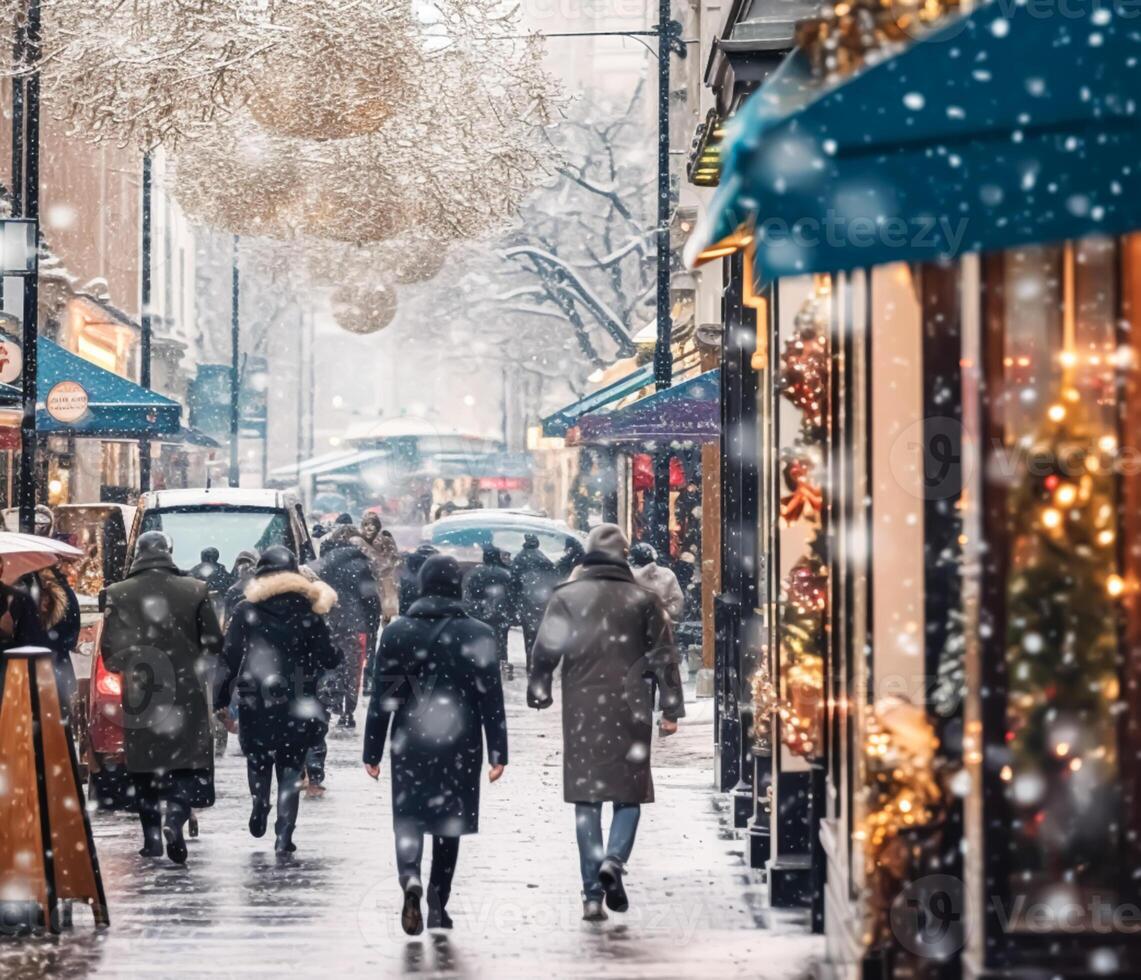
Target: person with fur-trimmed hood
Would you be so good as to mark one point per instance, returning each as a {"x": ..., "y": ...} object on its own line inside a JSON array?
[{"x": 277, "y": 646}]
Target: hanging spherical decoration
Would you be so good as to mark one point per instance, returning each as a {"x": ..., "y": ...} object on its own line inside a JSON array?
[
  {"x": 331, "y": 78},
  {"x": 239, "y": 179},
  {"x": 364, "y": 309}
]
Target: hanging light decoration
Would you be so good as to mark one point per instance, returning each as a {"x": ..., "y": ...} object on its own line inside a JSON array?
[
  {"x": 239, "y": 179},
  {"x": 330, "y": 77},
  {"x": 364, "y": 309}
]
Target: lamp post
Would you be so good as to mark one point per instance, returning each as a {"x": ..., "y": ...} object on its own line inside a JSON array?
[
  {"x": 235, "y": 369},
  {"x": 663, "y": 349},
  {"x": 147, "y": 322},
  {"x": 26, "y": 204}
]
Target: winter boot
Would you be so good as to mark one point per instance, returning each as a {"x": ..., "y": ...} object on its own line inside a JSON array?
[
  {"x": 284, "y": 842},
  {"x": 259, "y": 818},
  {"x": 592, "y": 910},
  {"x": 151, "y": 821},
  {"x": 175, "y": 844},
  {"x": 314, "y": 791},
  {"x": 411, "y": 920},
  {"x": 610, "y": 877},
  {"x": 438, "y": 917}
]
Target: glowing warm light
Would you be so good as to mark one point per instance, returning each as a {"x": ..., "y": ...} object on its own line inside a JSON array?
[
  {"x": 1056, "y": 413},
  {"x": 1065, "y": 495},
  {"x": 1068, "y": 358},
  {"x": 1107, "y": 444},
  {"x": 1051, "y": 518},
  {"x": 1105, "y": 538},
  {"x": 1115, "y": 585},
  {"x": 1062, "y": 749},
  {"x": 1006, "y": 774}
]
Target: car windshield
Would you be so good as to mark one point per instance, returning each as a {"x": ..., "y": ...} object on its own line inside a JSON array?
[
  {"x": 509, "y": 539},
  {"x": 230, "y": 530}
]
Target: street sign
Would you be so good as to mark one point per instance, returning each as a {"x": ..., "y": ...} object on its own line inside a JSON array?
[{"x": 67, "y": 402}]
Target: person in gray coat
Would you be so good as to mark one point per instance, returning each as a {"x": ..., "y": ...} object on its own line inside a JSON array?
[
  {"x": 162, "y": 635},
  {"x": 609, "y": 634}
]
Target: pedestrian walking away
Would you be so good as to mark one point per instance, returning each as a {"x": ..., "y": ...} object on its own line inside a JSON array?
[
  {"x": 533, "y": 576},
  {"x": 657, "y": 579},
  {"x": 487, "y": 597},
  {"x": 609, "y": 634},
  {"x": 354, "y": 621},
  {"x": 277, "y": 646},
  {"x": 162, "y": 634},
  {"x": 438, "y": 697},
  {"x": 408, "y": 577},
  {"x": 571, "y": 558}
]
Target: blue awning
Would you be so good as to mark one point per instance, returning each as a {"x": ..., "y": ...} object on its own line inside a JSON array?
[
  {"x": 1000, "y": 128},
  {"x": 88, "y": 400},
  {"x": 688, "y": 412},
  {"x": 558, "y": 424}
]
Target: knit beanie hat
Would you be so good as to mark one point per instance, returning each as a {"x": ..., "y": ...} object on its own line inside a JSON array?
[{"x": 609, "y": 540}]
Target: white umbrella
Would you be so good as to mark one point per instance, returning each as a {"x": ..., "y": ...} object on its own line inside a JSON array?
[{"x": 22, "y": 554}]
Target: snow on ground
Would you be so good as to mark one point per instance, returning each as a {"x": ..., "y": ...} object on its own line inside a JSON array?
[{"x": 333, "y": 910}]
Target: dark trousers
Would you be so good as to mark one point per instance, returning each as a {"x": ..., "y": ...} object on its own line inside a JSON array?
[
  {"x": 502, "y": 632},
  {"x": 410, "y": 853},
  {"x": 530, "y": 635},
  {"x": 151, "y": 817},
  {"x": 349, "y": 674},
  {"x": 315, "y": 762},
  {"x": 286, "y": 764}
]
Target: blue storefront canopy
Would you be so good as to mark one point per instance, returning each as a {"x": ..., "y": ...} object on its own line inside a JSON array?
[
  {"x": 1002, "y": 127},
  {"x": 91, "y": 401},
  {"x": 558, "y": 424},
  {"x": 688, "y": 412}
]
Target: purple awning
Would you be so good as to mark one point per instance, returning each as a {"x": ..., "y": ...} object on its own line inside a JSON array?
[{"x": 689, "y": 412}]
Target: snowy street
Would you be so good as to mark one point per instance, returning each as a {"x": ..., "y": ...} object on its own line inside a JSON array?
[{"x": 333, "y": 910}]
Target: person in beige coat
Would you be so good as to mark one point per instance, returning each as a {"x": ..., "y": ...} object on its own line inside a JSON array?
[{"x": 658, "y": 579}]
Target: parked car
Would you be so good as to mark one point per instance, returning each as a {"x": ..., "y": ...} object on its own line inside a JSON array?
[
  {"x": 230, "y": 520},
  {"x": 463, "y": 535}
]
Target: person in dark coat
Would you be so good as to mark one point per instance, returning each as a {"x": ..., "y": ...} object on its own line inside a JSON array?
[
  {"x": 277, "y": 645},
  {"x": 210, "y": 570},
  {"x": 487, "y": 597},
  {"x": 244, "y": 565},
  {"x": 437, "y": 684},
  {"x": 571, "y": 558},
  {"x": 609, "y": 634},
  {"x": 533, "y": 576},
  {"x": 162, "y": 635},
  {"x": 59, "y": 615},
  {"x": 354, "y": 621},
  {"x": 408, "y": 577}
]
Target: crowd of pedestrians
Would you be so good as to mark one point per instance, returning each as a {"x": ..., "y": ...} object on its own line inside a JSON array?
[{"x": 276, "y": 650}]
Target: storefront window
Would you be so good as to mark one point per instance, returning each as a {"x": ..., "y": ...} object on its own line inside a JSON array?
[{"x": 1053, "y": 475}]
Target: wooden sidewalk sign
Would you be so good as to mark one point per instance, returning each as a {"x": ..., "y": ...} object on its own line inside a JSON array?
[{"x": 47, "y": 854}]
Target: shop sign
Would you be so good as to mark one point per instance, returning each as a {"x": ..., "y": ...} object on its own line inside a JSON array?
[
  {"x": 67, "y": 402},
  {"x": 11, "y": 360}
]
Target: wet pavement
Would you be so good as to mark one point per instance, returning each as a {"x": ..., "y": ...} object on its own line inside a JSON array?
[{"x": 333, "y": 909}]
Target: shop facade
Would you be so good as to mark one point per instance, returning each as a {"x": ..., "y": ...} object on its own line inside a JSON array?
[{"x": 943, "y": 659}]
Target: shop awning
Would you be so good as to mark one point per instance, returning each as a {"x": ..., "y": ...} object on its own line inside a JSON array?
[
  {"x": 558, "y": 424},
  {"x": 1000, "y": 128},
  {"x": 687, "y": 412},
  {"x": 348, "y": 461},
  {"x": 79, "y": 397}
]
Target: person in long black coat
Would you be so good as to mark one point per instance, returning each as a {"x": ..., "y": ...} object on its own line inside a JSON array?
[
  {"x": 487, "y": 597},
  {"x": 277, "y": 645},
  {"x": 533, "y": 578},
  {"x": 437, "y": 686},
  {"x": 162, "y": 635}
]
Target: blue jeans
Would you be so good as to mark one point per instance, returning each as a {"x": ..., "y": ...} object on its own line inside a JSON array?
[{"x": 591, "y": 853}]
